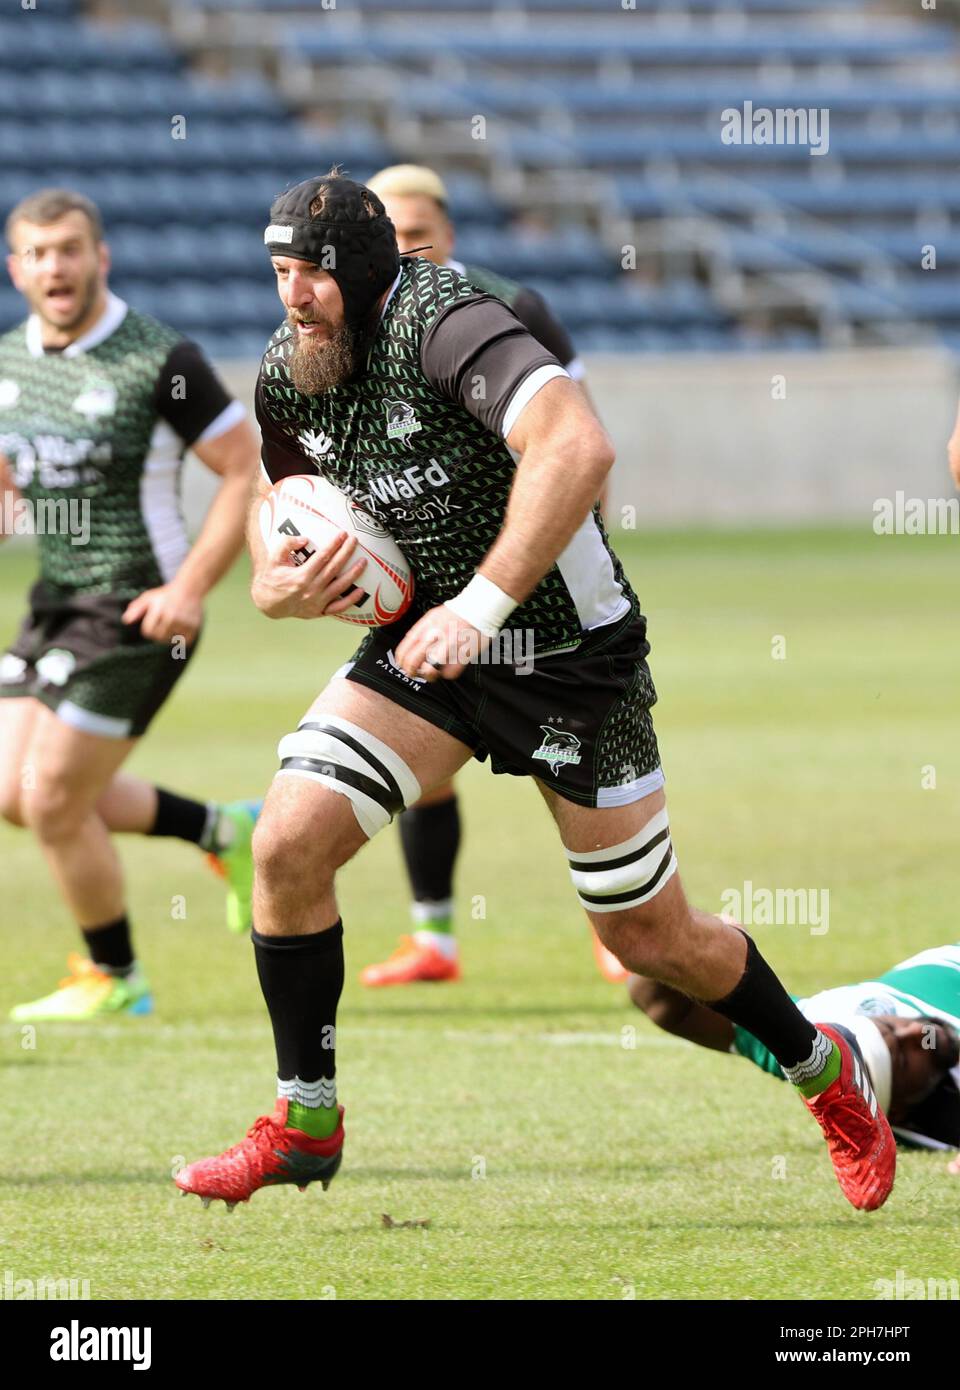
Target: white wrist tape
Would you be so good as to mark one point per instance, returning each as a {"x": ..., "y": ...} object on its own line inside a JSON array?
[{"x": 482, "y": 605}]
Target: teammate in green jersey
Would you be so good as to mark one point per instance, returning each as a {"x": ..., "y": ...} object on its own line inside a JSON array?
[
  {"x": 98, "y": 405},
  {"x": 417, "y": 204},
  {"x": 906, "y": 1022}
]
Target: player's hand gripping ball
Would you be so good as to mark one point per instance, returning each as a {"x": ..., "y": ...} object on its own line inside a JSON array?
[{"x": 311, "y": 507}]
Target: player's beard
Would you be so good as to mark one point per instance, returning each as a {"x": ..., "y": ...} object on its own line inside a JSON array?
[{"x": 317, "y": 367}]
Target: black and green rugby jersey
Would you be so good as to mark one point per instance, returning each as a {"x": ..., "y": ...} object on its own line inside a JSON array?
[
  {"x": 418, "y": 440},
  {"x": 103, "y": 425},
  {"x": 530, "y": 308}
]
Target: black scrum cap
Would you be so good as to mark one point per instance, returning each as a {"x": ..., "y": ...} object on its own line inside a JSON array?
[{"x": 358, "y": 250}]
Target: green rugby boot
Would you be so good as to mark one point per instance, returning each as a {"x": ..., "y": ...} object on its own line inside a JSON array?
[
  {"x": 87, "y": 992},
  {"x": 234, "y": 861}
]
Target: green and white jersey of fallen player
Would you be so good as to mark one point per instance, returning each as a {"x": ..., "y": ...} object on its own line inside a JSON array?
[{"x": 925, "y": 985}]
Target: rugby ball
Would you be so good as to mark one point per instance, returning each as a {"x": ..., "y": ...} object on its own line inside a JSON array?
[{"x": 308, "y": 506}]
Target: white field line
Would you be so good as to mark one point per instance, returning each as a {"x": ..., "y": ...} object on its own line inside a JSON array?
[{"x": 228, "y": 1032}]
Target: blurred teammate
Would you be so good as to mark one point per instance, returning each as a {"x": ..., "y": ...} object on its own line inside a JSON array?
[
  {"x": 415, "y": 199},
  {"x": 905, "y": 1023},
  {"x": 98, "y": 405},
  {"x": 492, "y": 542}
]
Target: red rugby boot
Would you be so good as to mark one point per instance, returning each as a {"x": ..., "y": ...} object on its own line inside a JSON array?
[
  {"x": 860, "y": 1141},
  {"x": 271, "y": 1154}
]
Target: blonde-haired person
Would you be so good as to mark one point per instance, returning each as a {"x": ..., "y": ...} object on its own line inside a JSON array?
[{"x": 416, "y": 201}]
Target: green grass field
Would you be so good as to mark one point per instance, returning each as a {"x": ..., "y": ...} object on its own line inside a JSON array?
[{"x": 550, "y": 1160}]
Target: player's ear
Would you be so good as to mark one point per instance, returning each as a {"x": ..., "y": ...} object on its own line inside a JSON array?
[
  {"x": 13, "y": 270},
  {"x": 104, "y": 257}
]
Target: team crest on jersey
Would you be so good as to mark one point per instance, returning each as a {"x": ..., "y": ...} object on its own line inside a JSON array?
[
  {"x": 9, "y": 394},
  {"x": 316, "y": 443},
  {"x": 401, "y": 421},
  {"x": 99, "y": 399},
  {"x": 557, "y": 748}
]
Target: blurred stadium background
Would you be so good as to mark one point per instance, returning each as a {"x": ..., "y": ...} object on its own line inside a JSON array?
[{"x": 581, "y": 142}]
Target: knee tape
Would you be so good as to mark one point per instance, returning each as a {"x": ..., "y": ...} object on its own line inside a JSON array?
[
  {"x": 625, "y": 875},
  {"x": 353, "y": 763}
]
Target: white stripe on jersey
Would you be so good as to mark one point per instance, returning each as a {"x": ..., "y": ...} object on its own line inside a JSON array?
[
  {"x": 229, "y": 416},
  {"x": 586, "y": 568},
  {"x": 160, "y": 500},
  {"x": 525, "y": 393}
]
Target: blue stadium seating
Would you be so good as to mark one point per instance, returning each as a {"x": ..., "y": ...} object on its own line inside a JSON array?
[{"x": 570, "y": 86}]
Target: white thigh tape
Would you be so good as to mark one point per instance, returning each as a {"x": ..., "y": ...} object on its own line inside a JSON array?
[
  {"x": 354, "y": 763},
  {"x": 626, "y": 875}
]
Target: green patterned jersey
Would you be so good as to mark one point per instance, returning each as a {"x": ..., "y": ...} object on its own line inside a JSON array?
[
  {"x": 418, "y": 438},
  {"x": 95, "y": 435}
]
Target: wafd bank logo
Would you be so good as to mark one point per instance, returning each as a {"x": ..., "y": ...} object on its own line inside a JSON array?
[{"x": 557, "y": 748}]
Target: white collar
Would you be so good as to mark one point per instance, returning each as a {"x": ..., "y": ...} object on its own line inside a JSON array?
[
  {"x": 458, "y": 266},
  {"x": 108, "y": 322}
]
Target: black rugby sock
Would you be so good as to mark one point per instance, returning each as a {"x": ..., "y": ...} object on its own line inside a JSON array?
[
  {"x": 182, "y": 817},
  {"x": 302, "y": 980},
  {"x": 110, "y": 946},
  {"x": 430, "y": 836},
  {"x": 760, "y": 1004}
]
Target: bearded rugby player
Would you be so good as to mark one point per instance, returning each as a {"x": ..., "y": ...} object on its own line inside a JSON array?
[
  {"x": 416, "y": 201},
  {"x": 98, "y": 404},
  {"x": 518, "y": 542}
]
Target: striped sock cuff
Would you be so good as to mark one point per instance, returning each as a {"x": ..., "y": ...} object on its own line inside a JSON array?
[
  {"x": 813, "y": 1065},
  {"x": 312, "y": 1094}
]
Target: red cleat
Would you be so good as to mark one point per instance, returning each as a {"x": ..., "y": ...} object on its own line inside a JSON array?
[
  {"x": 410, "y": 962},
  {"x": 607, "y": 963},
  {"x": 271, "y": 1154},
  {"x": 859, "y": 1139}
]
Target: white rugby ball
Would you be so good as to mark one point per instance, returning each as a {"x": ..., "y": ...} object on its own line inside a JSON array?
[{"x": 309, "y": 506}]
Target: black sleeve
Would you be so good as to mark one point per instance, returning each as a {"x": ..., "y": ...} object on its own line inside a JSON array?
[
  {"x": 537, "y": 318},
  {"x": 189, "y": 395},
  {"x": 477, "y": 352},
  {"x": 279, "y": 453}
]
